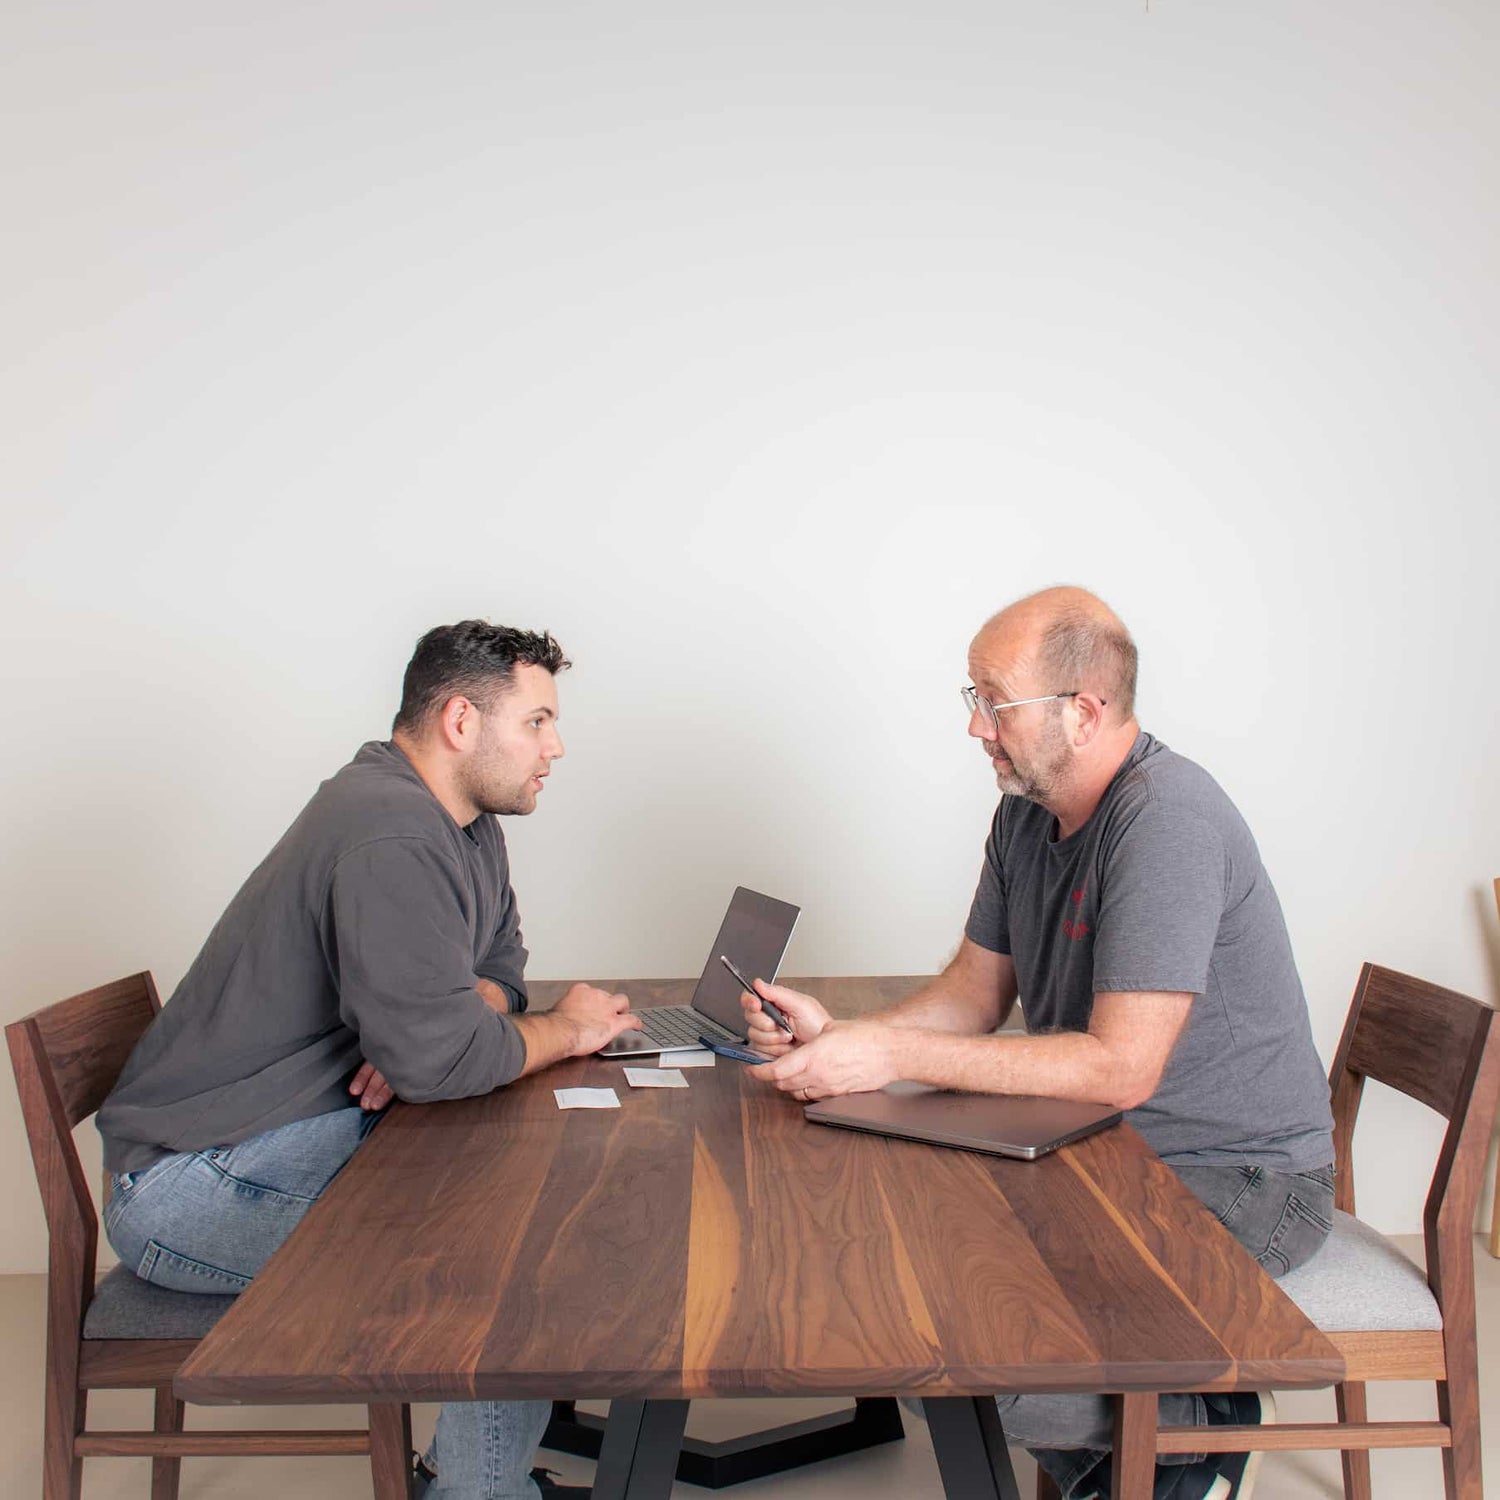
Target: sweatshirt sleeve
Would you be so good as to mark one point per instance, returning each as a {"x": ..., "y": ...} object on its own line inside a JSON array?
[
  {"x": 505, "y": 960},
  {"x": 397, "y": 934}
]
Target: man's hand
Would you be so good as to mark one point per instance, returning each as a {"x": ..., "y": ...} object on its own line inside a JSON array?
[
  {"x": 847, "y": 1057},
  {"x": 806, "y": 1014},
  {"x": 370, "y": 1088},
  {"x": 597, "y": 1016}
]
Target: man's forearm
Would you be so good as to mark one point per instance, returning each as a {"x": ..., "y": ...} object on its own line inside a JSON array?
[
  {"x": 972, "y": 995},
  {"x": 1063, "y": 1065},
  {"x": 547, "y": 1037},
  {"x": 938, "y": 1007}
]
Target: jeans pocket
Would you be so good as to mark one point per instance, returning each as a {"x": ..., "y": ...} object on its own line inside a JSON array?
[
  {"x": 164, "y": 1267},
  {"x": 1298, "y": 1236}
]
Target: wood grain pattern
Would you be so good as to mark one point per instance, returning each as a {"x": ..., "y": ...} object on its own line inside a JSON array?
[
  {"x": 301, "y": 1443},
  {"x": 1295, "y": 1436},
  {"x": 709, "y": 1242},
  {"x": 1391, "y": 1355}
]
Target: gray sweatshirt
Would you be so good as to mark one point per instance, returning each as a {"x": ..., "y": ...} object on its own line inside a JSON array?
[{"x": 359, "y": 937}]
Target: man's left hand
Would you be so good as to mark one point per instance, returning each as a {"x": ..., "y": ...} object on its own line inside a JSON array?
[
  {"x": 370, "y": 1088},
  {"x": 849, "y": 1057}
]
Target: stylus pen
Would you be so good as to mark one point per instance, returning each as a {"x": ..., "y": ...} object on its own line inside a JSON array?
[{"x": 765, "y": 1004}]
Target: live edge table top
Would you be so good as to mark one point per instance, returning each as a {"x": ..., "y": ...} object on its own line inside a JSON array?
[{"x": 708, "y": 1241}]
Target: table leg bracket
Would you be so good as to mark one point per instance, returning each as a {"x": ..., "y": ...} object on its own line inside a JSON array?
[{"x": 717, "y": 1465}]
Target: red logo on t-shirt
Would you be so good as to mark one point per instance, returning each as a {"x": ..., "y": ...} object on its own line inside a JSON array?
[{"x": 1071, "y": 927}]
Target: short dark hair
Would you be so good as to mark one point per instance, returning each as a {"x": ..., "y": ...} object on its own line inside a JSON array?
[
  {"x": 472, "y": 659},
  {"x": 1081, "y": 651}
]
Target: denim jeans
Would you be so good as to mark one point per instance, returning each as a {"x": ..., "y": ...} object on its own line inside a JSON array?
[
  {"x": 1281, "y": 1218},
  {"x": 207, "y": 1221}
]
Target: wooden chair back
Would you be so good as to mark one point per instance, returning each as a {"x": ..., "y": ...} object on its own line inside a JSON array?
[
  {"x": 66, "y": 1059},
  {"x": 1438, "y": 1047}
]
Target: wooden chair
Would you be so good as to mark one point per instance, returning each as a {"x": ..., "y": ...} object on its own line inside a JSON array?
[
  {"x": 1388, "y": 1319},
  {"x": 124, "y": 1332}
]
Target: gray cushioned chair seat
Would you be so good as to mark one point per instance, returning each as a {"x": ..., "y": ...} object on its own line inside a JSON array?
[
  {"x": 1359, "y": 1281},
  {"x": 125, "y": 1307}
]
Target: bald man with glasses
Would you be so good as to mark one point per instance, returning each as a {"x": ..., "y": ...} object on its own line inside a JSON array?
[{"x": 1123, "y": 901}]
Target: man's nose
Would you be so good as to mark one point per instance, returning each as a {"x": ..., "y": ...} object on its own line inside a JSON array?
[
  {"x": 981, "y": 726},
  {"x": 554, "y": 749}
]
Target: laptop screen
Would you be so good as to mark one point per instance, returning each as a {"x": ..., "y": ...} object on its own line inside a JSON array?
[{"x": 753, "y": 937}]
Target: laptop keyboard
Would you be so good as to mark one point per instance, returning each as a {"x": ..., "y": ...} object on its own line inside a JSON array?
[{"x": 680, "y": 1026}]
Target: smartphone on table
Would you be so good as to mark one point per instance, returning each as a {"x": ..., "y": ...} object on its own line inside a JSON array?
[{"x": 739, "y": 1054}]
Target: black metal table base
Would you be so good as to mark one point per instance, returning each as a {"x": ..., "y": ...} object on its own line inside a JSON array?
[
  {"x": 970, "y": 1446},
  {"x": 715, "y": 1466},
  {"x": 636, "y": 1457}
]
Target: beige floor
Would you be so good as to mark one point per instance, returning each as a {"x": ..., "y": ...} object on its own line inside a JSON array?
[{"x": 904, "y": 1470}]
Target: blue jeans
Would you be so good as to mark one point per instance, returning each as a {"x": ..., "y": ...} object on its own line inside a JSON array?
[
  {"x": 207, "y": 1221},
  {"x": 1282, "y": 1219}
]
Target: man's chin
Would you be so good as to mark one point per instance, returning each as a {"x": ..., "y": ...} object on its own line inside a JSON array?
[
  {"x": 518, "y": 807},
  {"x": 1012, "y": 785}
]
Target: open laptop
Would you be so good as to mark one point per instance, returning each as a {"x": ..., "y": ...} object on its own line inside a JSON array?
[
  {"x": 753, "y": 936},
  {"x": 1022, "y": 1126}
]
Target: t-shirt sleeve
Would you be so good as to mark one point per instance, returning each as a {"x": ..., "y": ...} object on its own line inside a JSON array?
[
  {"x": 505, "y": 960},
  {"x": 398, "y": 942},
  {"x": 989, "y": 919},
  {"x": 1162, "y": 893}
]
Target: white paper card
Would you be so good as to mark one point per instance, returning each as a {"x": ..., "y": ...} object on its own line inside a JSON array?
[
  {"x": 586, "y": 1098},
  {"x": 655, "y": 1078},
  {"x": 699, "y": 1057}
]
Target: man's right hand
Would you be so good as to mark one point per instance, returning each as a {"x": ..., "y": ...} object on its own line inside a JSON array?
[
  {"x": 597, "y": 1016},
  {"x": 806, "y": 1014}
]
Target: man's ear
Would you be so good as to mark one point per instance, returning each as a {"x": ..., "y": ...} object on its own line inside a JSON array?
[
  {"x": 458, "y": 724},
  {"x": 1089, "y": 709}
]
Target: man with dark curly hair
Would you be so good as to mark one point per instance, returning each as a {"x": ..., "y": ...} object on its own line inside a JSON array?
[{"x": 375, "y": 952}]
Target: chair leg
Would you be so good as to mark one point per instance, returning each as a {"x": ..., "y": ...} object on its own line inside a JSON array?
[
  {"x": 1458, "y": 1406},
  {"x": 1350, "y": 1399},
  {"x": 62, "y": 1469},
  {"x": 165, "y": 1472},
  {"x": 1134, "y": 1451},
  {"x": 1045, "y": 1488},
  {"x": 390, "y": 1450}
]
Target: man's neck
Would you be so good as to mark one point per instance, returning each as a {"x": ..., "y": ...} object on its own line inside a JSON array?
[
  {"x": 431, "y": 767},
  {"x": 1074, "y": 805}
]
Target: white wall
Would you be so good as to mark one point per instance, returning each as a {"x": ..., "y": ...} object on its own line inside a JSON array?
[{"x": 758, "y": 356}]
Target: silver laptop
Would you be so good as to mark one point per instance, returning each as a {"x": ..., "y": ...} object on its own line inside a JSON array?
[
  {"x": 1017, "y": 1125},
  {"x": 753, "y": 936}
]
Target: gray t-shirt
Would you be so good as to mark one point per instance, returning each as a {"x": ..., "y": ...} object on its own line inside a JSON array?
[
  {"x": 1163, "y": 889},
  {"x": 359, "y": 937}
]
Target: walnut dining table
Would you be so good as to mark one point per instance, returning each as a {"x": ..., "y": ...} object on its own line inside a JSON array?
[{"x": 709, "y": 1242}]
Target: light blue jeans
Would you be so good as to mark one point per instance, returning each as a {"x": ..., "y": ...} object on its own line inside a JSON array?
[{"x": 207, "y": 1221}]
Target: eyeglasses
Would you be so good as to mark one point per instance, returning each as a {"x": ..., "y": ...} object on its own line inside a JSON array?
[{"x": 974, "y": 701}]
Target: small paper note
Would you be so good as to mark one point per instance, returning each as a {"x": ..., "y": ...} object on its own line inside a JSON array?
[
  {"x": 655, "y": 1078},
  {"x": 699, "y": 1057},
  {"x": 586, "y": 1098}
]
